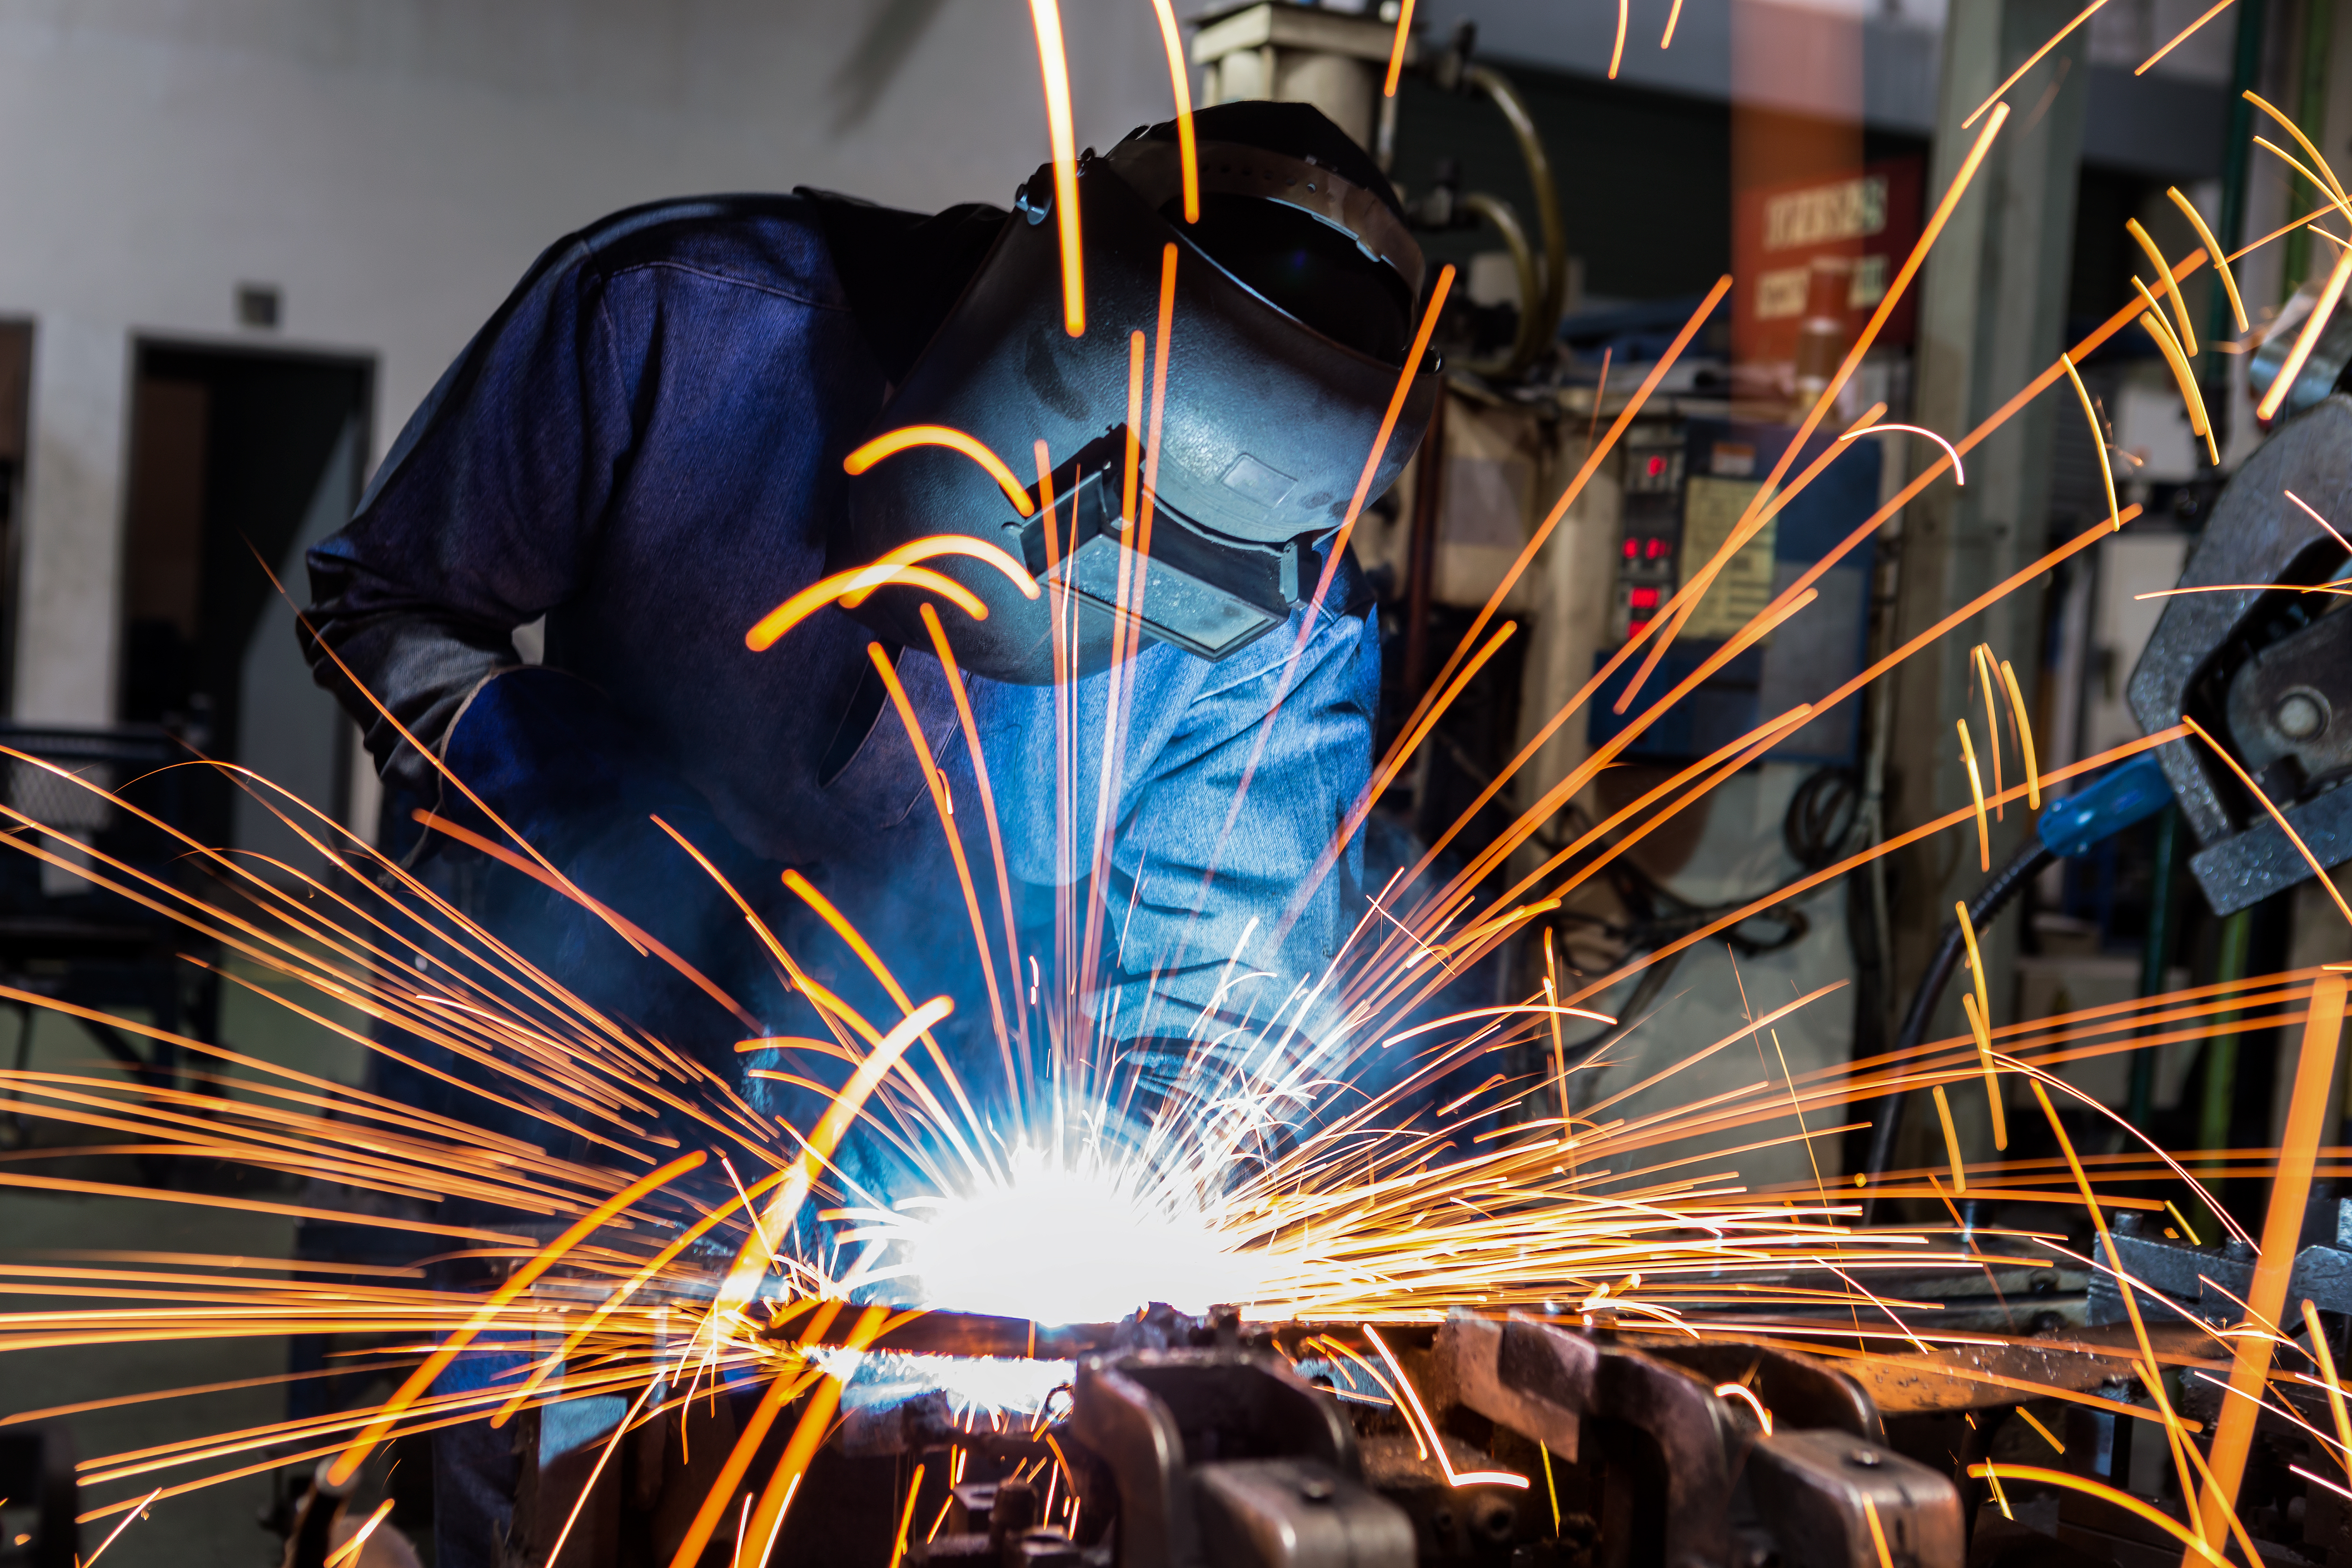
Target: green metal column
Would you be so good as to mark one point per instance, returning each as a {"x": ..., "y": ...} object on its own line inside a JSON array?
[
  {"x": 2310, "y": 113},
  {"x": 2163, "y": 921},
  {"x": 2222, "y": 1049}
]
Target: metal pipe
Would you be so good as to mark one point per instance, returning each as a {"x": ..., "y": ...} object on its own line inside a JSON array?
[
  {"x": 1506, "y": 98},
  {"x": 1527, "y": 265}
]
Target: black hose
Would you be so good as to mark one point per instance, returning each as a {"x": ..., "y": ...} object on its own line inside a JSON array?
[{"x": 1990, "y": 899}]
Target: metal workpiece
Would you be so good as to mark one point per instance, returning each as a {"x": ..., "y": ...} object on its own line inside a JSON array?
[
  {"x": 1682, "y": 1518},
  {"x": 2259, "y": 665},
  {"x": 1512, "y": 1441},
  {"x": 1167, "y": 1427},
  {"x": 1521, "y": 1373},
  {"x": 2211, "y": 1282},
  {"x": 1297, "y": 1511},
  {"x": 1802, "y": 1391},
  {"x": 1810, "y": 1488}
]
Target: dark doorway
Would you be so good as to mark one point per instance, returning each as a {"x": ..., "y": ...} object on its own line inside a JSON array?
[
  {"x": 239, "y": 459},
  {"x": 15, "y": 425}
]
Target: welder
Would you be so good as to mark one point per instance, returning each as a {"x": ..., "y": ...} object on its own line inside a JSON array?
[{"x": 645, "y": 446}]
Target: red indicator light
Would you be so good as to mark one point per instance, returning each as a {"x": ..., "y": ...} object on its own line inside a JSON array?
[
  {"x": 1633, "y": 628},
  {"x": 1657, "y": 466},
  {"x": 1644, "y": 599},
  {"x": 1654, "y": 549},
  {"x": 1629, "y": 550}
]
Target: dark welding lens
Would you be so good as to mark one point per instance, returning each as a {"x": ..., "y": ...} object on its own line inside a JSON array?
[{"x": 1305, "y": 269}]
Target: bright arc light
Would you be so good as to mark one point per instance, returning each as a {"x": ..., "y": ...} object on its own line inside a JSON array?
[
  {"x": 986, "y": 1383},
  {"x": 1064, "y": 1244}
]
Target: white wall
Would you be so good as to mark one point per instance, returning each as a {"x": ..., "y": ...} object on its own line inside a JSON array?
[{"x": 393, "y": 165}]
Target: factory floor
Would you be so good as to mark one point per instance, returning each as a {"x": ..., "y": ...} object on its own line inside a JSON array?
[{"x": 215, "y": 1527}]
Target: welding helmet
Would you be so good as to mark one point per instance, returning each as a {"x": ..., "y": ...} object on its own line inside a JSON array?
[{"x": 1295, "y": 303}]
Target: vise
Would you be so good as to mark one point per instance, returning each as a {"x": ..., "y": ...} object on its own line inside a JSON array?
[{"x": 2263, "y": 662}]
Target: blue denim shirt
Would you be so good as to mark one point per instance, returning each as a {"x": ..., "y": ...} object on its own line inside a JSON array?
[{"x": 644, "y": 446}]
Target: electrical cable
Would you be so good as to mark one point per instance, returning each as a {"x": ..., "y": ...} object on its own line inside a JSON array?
[{"x": 1991, "y": 899}]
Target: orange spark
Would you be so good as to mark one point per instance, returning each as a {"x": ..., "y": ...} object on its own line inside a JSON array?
[
  {"x": 1691, "y": 592},
  {"x": 891, "y": 443},
  {"x": 1870, "y": 1517},
  {"x": 349, "y": 1550},
  {"x": 2156, "y": 1396},
  {"x": 1747, "y": 1395},
  {"x": 2291, "y": 368},
  {"x": 2178, "y": 39},
  {"x": 1960, "y": 474},
  {"x": 1976, "y": 791},
  {"x": 2314, "y": 517},
  {"x": 915, "y": 1487},
  {"x": 1979, "y": 1025},
  {"x": 815, "y": 1425},
  {"x": 938, "y": 783},
  {"x": 1952, "y": 1140},
  {"x": 2047, "y": 1435},
  {"x": 858, "y": 580},
  {"x": 2164, "y": 280},
  {"x": 932, "y": 546},
  {"x": 2192, "y": 400},
  {"x": 1420, "y": 1417},
  {"x": 1054, "y": 69},
  {"x": 2326, "y": 1359},
  {"x": 780, "y": 1392},
  {"x": 389, "y": 1413},
  {"x": 2098, "y": 436},
  {"x": 127, "y": 1519},
  {"x": 2155, "y": 1516},
  {"x": 1179, "y": 78},
  {"x": 946, "y": 653},
  {"x": 2212, "y": 247},
  {"x": 743, "y": 1275},
  {"x": 2032, "y": 60},
  {"x": 2326, "y": 179},
  {"x": 1982, "y": 662},
  {"x": 530, "y": 868},
  {"x": 2023, "y": 726},
  {"x": 2292, "y": 837},
  {"x": 2307, "y": 1110},
  {"x": 1396, "y": 49}
]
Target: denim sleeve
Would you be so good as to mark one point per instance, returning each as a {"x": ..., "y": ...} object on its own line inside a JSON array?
[
  {"x": 1204, "y": 872},
  {"x": 478, "y": 520}
]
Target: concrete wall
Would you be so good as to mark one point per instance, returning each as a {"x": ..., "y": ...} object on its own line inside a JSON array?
[{"x": 393, "y": 165}]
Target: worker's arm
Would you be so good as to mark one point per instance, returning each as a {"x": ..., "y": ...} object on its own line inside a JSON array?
[
  {"x": 476, "y": 523},
  {"x": 484, "y": 516}
]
